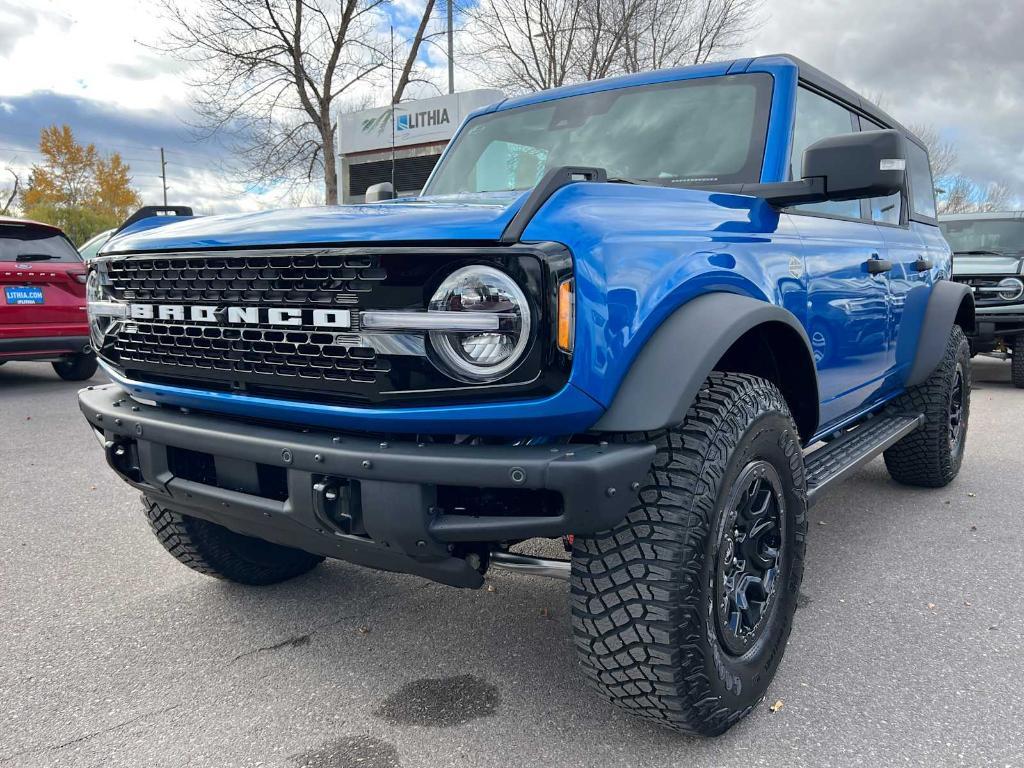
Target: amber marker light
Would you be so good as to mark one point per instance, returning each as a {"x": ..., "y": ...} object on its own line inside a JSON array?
[{"x": 566, "y": 316}]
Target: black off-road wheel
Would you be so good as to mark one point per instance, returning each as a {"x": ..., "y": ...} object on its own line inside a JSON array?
[
  {"x": 215, "y": 551},
  {"x": 76, "y": 367},
  {"x": 681, "y": 613},
  {"x": 931, "y": 456},
  {"x": 1017, "y": 362}
]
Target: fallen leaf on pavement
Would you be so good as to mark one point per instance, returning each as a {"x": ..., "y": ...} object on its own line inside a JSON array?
[{"x": 776, "y": 706}]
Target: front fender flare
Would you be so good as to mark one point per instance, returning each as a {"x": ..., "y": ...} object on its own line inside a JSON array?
[{"x": 664, "y": 379}]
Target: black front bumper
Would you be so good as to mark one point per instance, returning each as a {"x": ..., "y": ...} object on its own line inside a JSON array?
[
  {"x": 357, "y": 498},
  {"x": 991, "y": 328}
]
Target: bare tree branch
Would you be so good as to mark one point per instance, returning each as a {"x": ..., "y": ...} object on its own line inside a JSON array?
[
  {"x": 414, "y": 52},
  {"x": 523, "y": 45},
  {"x": 6, "y": 210},
  {"x": 268, "y": 75}
]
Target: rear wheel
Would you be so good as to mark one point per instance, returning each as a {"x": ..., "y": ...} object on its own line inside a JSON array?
[
  {"x": 1017, "y": 362},
  {"x": 215, "y": 551},
  {"x": 76, "y": 367},
  {"x": 931, "y": 456},
  {"x": 682, "y": 612}
]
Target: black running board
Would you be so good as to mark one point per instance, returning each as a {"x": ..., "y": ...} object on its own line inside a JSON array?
[{"x": 837, "y": 460}]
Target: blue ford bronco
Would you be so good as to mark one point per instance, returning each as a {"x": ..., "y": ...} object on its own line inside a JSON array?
[{"x": 656, "y": 317}]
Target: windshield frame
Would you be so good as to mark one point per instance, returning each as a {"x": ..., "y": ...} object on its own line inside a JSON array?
[{"x": 751, "y": 172}]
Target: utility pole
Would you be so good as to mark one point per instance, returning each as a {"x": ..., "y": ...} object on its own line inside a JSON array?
[
  {"x": 451, "y": 50},
  {"x": 163, "y": 174},
  {"x": 393, "y": 105}
]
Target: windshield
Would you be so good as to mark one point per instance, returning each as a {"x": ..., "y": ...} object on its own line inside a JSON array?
[
  {"x": 92, "y": 247},
  {"x": 26, "y": 242},
  {"x": 707, "y": 131},
  {"x": 999, "y": 235}
]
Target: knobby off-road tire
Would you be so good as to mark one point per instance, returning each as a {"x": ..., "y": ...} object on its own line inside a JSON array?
[
  {"x": 215, "y": 551},
  {"x": 650, "y": 623},
  {"x": 931, "y": 456},
  {"x": 1017, "y": 362},
  {"x": 76, "y": 367}
]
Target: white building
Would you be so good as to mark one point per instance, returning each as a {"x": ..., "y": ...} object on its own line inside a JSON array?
[{"x": 413, "y": 134}]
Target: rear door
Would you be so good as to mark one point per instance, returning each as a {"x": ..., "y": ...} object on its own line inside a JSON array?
[
  {"x": 847, "y": 303},
  {"x": 42, "y": 290},
  {"x": 911, "y": 276}
]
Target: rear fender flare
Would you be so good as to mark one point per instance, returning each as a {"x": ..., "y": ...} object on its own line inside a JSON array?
[{"x": 949, "y": 304}]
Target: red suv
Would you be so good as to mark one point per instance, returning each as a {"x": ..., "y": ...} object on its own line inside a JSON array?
[{"x": 42, "y": 299}]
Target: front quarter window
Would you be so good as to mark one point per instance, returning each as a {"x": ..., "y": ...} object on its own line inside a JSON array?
[{"x": 685, "y": 132}]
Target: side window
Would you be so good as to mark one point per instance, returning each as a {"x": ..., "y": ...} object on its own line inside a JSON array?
[
  {"x": 922, "y": 188},
  {"x": 818, "y": 118},
  {"x": 887, "y": 210},
  {"x": 884, "y": 210}
]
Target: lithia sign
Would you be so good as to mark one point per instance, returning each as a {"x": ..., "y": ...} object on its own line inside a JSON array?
[{"x": 415, "y": 122}]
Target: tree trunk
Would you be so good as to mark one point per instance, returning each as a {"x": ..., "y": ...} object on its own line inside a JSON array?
[{"x": 330, "y": 165}]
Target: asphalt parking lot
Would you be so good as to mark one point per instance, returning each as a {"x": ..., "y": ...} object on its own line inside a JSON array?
[{"x": 907, "y": 648}]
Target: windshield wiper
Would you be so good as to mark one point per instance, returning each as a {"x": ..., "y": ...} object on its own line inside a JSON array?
[
  {"x": 641, "y": 182},
  {"x": 34, "y": 257}
]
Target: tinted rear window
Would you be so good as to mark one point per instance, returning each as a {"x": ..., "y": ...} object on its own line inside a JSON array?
[{"x": 20, "y": 242}]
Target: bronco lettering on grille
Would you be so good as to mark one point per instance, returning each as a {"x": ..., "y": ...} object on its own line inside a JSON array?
[{"x": 205, "y": 313}]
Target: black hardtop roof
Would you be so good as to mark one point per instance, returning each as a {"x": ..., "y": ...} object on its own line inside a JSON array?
[{"x": 825, "y": 82}]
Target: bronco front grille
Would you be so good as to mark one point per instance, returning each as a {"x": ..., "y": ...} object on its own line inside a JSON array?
[
  {"x": 984, "y": 289},
  {"x": 230, "y": 348}
]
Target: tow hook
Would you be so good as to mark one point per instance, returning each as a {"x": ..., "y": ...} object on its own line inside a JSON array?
[{"x": 123, "y": 459}]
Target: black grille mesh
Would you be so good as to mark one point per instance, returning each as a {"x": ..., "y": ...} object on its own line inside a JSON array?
[
  {"x": 290, "y": 279},
  {"x": 300, "y": 354}
]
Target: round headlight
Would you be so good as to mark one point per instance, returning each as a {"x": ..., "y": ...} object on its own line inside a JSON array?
[
  {"x": 96, "y": 299},
  {"x": 1010, "y": 289},
  {"x": 491, "y": 350}
]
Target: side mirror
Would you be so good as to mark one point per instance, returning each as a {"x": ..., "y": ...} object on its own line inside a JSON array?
[
  {"x": 378, "y": 192},
  {"x": 855, "y": 166},
  {"x": 850, "y": 166}
]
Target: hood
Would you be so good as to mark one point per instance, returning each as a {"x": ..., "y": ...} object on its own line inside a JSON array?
[
  {"x": 986, "y": 264},
  {"x": 481, "y": 218}
]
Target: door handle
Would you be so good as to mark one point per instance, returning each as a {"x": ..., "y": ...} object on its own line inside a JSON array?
[
  {"x": 923, "y": 264},
  {"x": 877, "y": 266}
]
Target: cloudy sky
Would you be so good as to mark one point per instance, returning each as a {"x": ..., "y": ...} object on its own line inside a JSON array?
[{"x": 86, "y": 64}]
